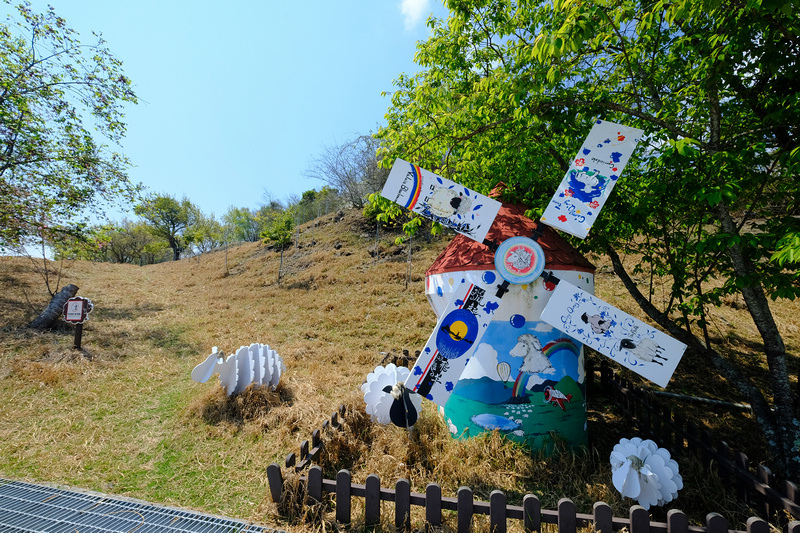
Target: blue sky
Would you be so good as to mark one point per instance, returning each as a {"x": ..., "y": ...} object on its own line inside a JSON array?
[{"x": 238, "y": 97}]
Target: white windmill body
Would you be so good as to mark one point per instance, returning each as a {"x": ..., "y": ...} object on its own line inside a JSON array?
[{"x": 488, "y": 396}]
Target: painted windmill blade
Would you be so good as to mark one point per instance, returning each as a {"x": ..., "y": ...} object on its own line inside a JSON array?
[{"x": 520, "y": 260}]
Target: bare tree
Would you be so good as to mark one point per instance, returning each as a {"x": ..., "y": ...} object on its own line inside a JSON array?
[{"x": 351, "y": 168}]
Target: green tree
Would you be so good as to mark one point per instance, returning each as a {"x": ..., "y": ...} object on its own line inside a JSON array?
[
  {"x": 130, "y": 242},
  {"x": 59, "y": 101},
  {"x": 243, "y": 224},
  {"x": 509, "y": 89},
  {"x": 170, "y": 219},
  {"x": 206, "y": 234}
]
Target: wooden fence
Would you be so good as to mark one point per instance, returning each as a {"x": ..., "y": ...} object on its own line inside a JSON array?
[
  {"x": 670, "y": 430},
  {"x": 309, "y": 451},
  {"x": 530, "y": 513}
]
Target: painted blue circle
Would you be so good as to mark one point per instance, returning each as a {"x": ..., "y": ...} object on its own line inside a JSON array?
[
  {"x": 519, "y": 260},
  {"x": 489, "y": 277},
  {"x": 517, "y": 321},
  {"x": 457, "y": 333}
]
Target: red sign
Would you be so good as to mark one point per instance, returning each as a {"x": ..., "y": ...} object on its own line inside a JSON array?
[{"x": 76, "y": 310}]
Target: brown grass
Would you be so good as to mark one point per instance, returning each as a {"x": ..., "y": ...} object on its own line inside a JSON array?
[{"x": 124, "y": 416}]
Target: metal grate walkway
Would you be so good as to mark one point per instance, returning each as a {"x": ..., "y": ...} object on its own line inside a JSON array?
[{"x": 27, "y": 508}]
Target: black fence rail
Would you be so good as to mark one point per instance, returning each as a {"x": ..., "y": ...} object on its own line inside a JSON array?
[
  {"x": 530, "y": 513},
  {"x": 757, "y": 487}
]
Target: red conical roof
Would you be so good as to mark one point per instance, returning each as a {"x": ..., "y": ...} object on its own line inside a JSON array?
[{"x": 464, "y": 253}]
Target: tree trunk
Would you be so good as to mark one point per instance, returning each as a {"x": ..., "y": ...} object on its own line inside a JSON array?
[
  {"x": 788, "y": 436},
  {"x": 55, "y": 309}
]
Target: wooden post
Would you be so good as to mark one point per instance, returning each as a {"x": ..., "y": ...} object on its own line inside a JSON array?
[
  {"x": 640, "y": 519},
  {"x": 567, "y": 520},
  {"x": 402, "y": 505},
  {"x": 315, "y": 484},
  {"x": 275, "y": 479},
  {"x": 433, "y": 505},
  {"x": 497, "y": 511},
  {"x": 465, "y": 499},
  {"x": 78, "y": 336},
  {"x": 531, "y": 513},
  {"x": 343, "y": 502},
  {"x": 677, "y": 521},
  {"x": 603, "y": 517},
  {"x": 716, "y": 523},
  {"x": 372, "y": 501}
]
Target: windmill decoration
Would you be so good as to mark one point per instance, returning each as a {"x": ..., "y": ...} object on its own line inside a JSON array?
[
  {"x": 525, "y": 378},
  {"x": 519, "y": 263}
]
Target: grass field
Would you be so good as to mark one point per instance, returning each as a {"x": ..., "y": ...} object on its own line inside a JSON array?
[{"x": 124, "y": 416}]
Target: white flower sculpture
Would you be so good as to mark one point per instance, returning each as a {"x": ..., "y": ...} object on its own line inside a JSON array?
[
  {"x": 643, "y": 471},
  {"x": 258, "y": 364},
  {"x": 387, "y": 398}
]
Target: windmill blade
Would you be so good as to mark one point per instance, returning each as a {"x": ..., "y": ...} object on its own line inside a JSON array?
[
  {"x": 614, "y": 333},
  {"x": 591, "y": 177},
  {"x": 441, "y": 200},
  {"x": 453, "y": 340}
]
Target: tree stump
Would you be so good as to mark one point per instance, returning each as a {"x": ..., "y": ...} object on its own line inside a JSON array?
[{"x": 55, "y": 309}]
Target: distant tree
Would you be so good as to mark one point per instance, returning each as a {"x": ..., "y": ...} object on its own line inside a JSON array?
[
  {"x": 131, "y": 242},
  {"x": 59, "y": 99},
  {"x": 170, "y": 219},
  {"x": 352, "y": 168},
  {"x": 279, "y": 233},
  {"x": 206, "y": 234},
  {"x": 243, "y": 224}
]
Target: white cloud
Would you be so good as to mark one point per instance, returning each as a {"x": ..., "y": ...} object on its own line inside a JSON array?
[{"x": 414, "y": 11}]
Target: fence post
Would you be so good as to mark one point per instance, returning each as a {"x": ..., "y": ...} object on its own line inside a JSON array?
[
  {"x": 464, "y": 511},
  {"x": 640, "y": 519},
  {"x": 677, "y": 521},
  {"x": 372, "y": 501},
  {"x": 789, "y": 490},
  {"x": 757, "y": 525},
  {"x": 497, "y": 511},
  {"x": 716, "y": 523},
  {"x": 433, "y": 505},
  {"x": 764, "y": 475},
  {"x": 741, "y": 485},
  {"x": 604, "y": 377},
  {"x": 603, "y": 517},
  {"x": 303, "y": 450},
  {"x": 343, "y": 502},
  {"x": 402, "y": 505},
  {"x": 567, "y": 522},
  {"x": 531, "y": 513},
  {"x": 724, "y": 451},
  {"x": 275, "y": 478},
  {"x": 666, "y": 428},
  {"x": 315, "y": 483}
]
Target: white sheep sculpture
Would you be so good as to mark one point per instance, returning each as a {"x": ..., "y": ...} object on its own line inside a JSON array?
[{"x": 257, "y": 364}]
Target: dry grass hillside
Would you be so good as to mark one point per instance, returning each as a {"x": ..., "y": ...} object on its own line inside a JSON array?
[{"x": 124, "y": 416}]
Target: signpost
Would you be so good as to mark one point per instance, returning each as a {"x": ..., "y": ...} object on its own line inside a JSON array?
[{"x": 76, "y": 311}]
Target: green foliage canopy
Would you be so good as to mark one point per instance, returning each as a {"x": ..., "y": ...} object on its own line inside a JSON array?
[
  {"x": 59, "y": 99},
  {"x": 170, "y": 219},
  {"x": 509, "y": 90}
]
